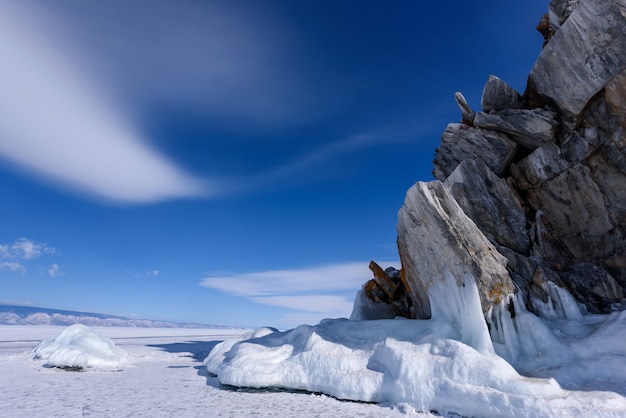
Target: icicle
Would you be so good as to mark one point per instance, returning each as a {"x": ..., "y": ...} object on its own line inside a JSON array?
[
  {"x": 459, "y": 305},
  {"x": 504, "y": 332},
  {"x": 560, "y": 305}
]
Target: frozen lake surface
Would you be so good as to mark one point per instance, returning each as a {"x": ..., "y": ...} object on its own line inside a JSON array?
[{"x": 164, "y": 378}]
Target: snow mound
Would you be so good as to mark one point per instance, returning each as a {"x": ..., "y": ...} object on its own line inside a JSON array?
[
  {"x": 77, "y": 347},
  {"x": 446, "y": 364}
]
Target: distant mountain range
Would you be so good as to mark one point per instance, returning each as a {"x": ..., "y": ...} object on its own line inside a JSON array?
[{"x": 31, "y": 315}]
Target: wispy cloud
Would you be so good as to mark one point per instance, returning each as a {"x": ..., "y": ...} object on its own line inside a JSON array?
[
  {"x": 24, "y": 249},
  {"x": 56, "y": 124},
  {"x": 14, "y": 256},
  {"x": 328, "y": 279},
  {"x": 54, "y": 271},
  {"x": 15, "y": 302},
  {"x": 311, "y": 303},
  {"x": 143, "y": 274},
  {"x": 315, "y": 292},
  {"x": 13, "y": 266},
  {"x": 305, "y": 164},
  {"x": 28, "y": 249}
]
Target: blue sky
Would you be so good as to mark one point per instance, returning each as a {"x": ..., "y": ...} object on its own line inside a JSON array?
[{"x": 227, "y": 162}]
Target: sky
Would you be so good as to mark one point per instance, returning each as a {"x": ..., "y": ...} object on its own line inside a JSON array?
[{"x": 228, "y": 162}]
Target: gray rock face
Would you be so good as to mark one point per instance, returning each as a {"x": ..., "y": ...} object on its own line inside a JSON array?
[
  {"x": 573, "y": 218},
  {"x": 535, "y": 189},
  {"x": 586, "y": 52},
  {"x": 530, "y": 128},
  {"x": 577, "y": 149},
  {"x": 498, "y": 95},
  {"x": 594, "y": 286},
  {"x": 490, "y": 203},
  {"x": 615, "y": 91},
  {"x": 540, "y": 166},
  {"x": 560, "y": 11},
  {"x": 460, "y": 142},
  {"x": 436, "y": 238}
]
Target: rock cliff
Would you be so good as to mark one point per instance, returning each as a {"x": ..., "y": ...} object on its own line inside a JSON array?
[{"x": 532, "y": 188}]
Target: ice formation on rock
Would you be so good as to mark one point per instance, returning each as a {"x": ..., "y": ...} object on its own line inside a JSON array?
[{"x": 446, "y": 364}]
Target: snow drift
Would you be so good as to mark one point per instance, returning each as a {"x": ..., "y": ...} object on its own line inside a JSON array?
[
  {"x": 77, "y": 347},
  {"x": 446, "y": 364}
]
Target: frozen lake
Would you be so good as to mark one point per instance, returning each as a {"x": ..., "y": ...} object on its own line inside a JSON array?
[{"x": 165, "y": 378}]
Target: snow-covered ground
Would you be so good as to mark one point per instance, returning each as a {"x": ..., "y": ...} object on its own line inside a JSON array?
[
  {"x": 560, "y": 363},
  {"x": 164, "y": 377},
  {"x": 571, "y": 365}
]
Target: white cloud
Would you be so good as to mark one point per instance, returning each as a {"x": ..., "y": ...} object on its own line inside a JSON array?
[
  {"x": 15, "y": 302},
  {"x": 13, "y": 266},
  {"x": 53, "y": 271},
  {"x": 304, "y": 165},
  {"x": 24, "y": 249},
  {"x": 152, "y": 273},
  {"x": 55, "y": 124},
  {"x": 310, "y": 303},
  {"x": 328, "y": 279},
  {"x": 27, "y": 249},
  {"x": 314, "y": 290}
]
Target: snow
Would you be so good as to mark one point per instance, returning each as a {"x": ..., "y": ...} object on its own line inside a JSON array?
[
  {"x": 561, "y": 363},
  {"x": 78, "y": 347},
  {"x": 163, "y": 377},
  {"x": 574, "y": 363}
]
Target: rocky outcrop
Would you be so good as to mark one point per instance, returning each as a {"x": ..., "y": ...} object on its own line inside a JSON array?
[
  {"x": 490, "y": 203},
  {"x": 436, "y": 239},
  {"x": 499, "y": 95},
  {"x": 530, "y": 128},
  {"x": 531, "y": 191},
  {"x": 584, "y": 54},
  {"x": 460, "y": 141}
]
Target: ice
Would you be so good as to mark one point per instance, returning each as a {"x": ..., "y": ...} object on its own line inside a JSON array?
[
  {"x": 447, "y": 364},
  {"x": 560, "y": 305},
  {"x": 78, "y": 347},
  {"x": 365, "y": 309},
  {"x": 165, "y": 378}
]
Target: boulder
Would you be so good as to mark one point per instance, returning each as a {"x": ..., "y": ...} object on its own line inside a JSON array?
[
  {"x": 387, "y": 295},
  {"x": 490, "y": 203},
  {"x": 461, "y": 142},
  {"x": 586, "y": 52},
  {"x": 467, "y": 114},
  {"x": 529, "y": 128},
  {"x": 498, "y": 95},
  {"x": 436, "y": 239}
]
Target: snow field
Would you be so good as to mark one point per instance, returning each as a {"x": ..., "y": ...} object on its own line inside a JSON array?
[
  {"x": 163, "y": 377},
  {"x": 452, "y": 364}
]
